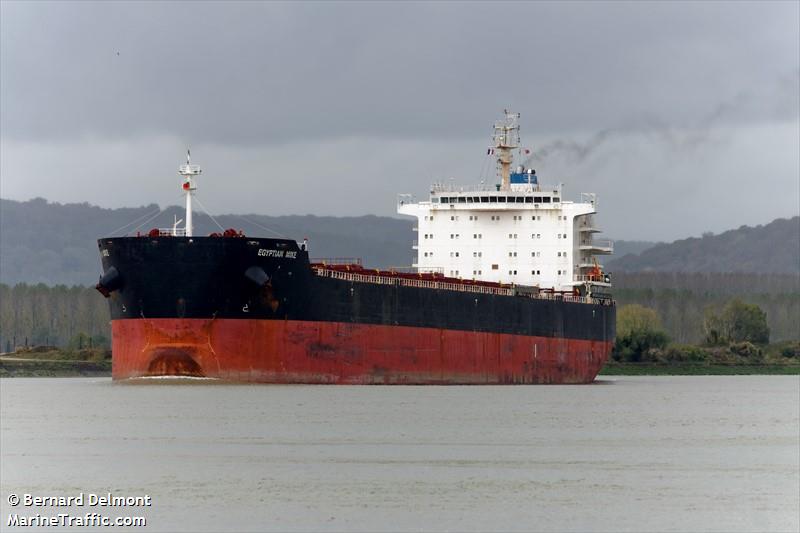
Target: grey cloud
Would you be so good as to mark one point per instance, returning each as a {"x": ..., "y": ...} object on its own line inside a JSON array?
[{"x": 256, "y": 72}]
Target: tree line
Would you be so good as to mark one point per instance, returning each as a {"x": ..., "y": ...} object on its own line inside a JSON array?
[
  {"x": 38, "y": 315},
  {"x": 683, "y": 311},
  {"x": 737, "y": 333},
  {"x": 723, "y": 283},
  {"x": 682, "y": 300}
]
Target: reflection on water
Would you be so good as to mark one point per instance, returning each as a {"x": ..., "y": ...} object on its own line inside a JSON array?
[{"x": 638, "y": 453}]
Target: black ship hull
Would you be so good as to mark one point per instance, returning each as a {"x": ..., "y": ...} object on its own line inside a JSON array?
[{"x": 258, "y": 310}]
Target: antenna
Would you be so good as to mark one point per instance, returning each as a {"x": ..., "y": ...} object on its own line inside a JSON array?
[{"x": 188, "y": 171}]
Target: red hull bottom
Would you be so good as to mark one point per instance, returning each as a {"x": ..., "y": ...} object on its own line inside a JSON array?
[{"x": 273, "y": 351}]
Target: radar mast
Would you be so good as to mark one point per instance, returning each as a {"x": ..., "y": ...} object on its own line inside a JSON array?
[{"x": 506, "y": 139}]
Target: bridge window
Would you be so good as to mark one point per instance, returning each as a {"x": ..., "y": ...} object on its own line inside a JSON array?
[
  {"x": 537, "y": 199},
  {"x": 493, "y": 199},
  {"x": 546, "y": 200},
  {"x": 528, "y": 199}
]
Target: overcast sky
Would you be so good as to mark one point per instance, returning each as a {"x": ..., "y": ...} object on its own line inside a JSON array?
[{"x": 683, "y": 117}]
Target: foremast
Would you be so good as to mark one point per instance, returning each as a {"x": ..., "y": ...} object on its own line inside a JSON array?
[{"x": 188, "y": 171}]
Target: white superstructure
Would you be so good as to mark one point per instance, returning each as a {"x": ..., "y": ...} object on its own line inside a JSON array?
[{"x": 516, "y": 231}]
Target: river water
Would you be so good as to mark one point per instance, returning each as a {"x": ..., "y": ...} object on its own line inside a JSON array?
[{"x": 715, "y": 453}]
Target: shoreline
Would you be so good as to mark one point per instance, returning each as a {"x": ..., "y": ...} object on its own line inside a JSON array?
[
  {"x": 695, "y": 369},
  {"x": 11, "y": 368}
]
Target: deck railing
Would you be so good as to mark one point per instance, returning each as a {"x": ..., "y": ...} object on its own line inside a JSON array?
[
  {"x": 451, "y": 286},
  {"x": 337, "y": 260}
]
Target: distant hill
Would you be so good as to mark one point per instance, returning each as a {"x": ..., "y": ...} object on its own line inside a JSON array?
[
  {"x": 623, "y": 248},
  {"x": 773, "y": 248},
  {"x": 52, "y": 243}
]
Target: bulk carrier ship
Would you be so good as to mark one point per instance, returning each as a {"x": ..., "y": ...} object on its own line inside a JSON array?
[{"x": 505, "y": 290}]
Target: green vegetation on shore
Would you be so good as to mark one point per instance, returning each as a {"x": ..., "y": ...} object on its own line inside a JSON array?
[
  {"x": 49, "y": 361},
  {"x": 736, "y": 342}
]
